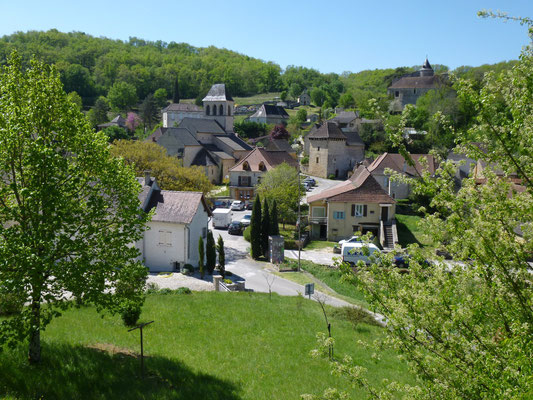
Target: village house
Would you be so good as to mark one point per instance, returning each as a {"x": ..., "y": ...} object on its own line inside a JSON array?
[
  {"x": 396, "y": 163},
  {"x": 409, "y": 88},
  {"x": 332, "y": 152},
  {"x": 246, "y": 174},
  {"x": 270, "y": 114},
  {"x": 179, "y": 220},
  {"x": 117, "y": 121},
  {"x": 358, "y": 204},
  {"x": 174, "y": 113},
  {"x": 304, "y": 99}
]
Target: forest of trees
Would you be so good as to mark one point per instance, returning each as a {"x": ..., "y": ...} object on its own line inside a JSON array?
[{"x": 95, "y": 67}]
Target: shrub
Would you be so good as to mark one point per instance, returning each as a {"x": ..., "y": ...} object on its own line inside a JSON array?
[
  {"x": 131, "y": 311},
  {"x": 228, "y": 281},
  {"x": 291, "y": 244},
  {"x": 188, "y": 269},
  {"x": 166, "y": 291},
  {"x": 152, "y": 287},
  {"x": 183, "y": 290},
  {"x": 331, "y": 176},
  {"x": 247, "y": 234},
  {"x": 11, "y": 303}
]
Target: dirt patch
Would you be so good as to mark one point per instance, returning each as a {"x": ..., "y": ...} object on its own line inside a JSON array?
[{"x": 113, "y": 350}]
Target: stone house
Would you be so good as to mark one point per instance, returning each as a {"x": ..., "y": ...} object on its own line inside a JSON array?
[
  {"x": 358, "y": 204},
  {"x": 397, "y": 163},
  {"x": 247, "y": 173},
  {"x": 171, "y": 238},
  {"x": 333, "y": 152},
  {"x": 304, "y": 99},
  {"x": 174, "y": 113},
  {"x": 409, "y": 88},
  {"x": 270, "y": 114},
  {"x": 117, "y": 121}
]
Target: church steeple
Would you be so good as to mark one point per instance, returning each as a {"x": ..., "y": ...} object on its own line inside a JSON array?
[
  {"x": 218, "y": 104},
  {"x": 427, "y": 69}
]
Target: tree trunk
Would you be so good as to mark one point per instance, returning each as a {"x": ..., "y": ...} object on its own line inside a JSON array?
[{"x": 34, "y": 353}]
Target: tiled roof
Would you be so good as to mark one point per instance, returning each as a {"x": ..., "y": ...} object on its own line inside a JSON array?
[
  {"x": 345, "y": 117},
  {"x": 268, "y": 110},
  {"x": 397, "y": 163},
  {"x": 417, "y": 82},
  {"x": 177, "y": 207},
  {"x": 185, "y": 107},
  {"x": 234, "y": 142},
  {"x": 117, "y": 121},
  {"x": 269, "y": 158},
  {"x": 328, "y": 130},
  {"x": 218, "y": 93},
  {"x": 182, "y": 135},
  {"x": 360, "y": 188},
  {"x": 202, "y": 125}
]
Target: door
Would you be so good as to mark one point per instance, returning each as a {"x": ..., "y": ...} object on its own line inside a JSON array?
[
  {"x": 323, "y": 232},
  {"x": 384, "y": 214}
]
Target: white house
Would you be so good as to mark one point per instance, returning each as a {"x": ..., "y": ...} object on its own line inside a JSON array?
[{"x": 171, "y": 238}]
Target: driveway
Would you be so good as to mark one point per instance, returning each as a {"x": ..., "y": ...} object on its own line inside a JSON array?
[{"x": 321, "y": 185}]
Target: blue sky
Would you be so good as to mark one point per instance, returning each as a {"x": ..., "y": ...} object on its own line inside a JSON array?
[{"x": 331, "y": 36}]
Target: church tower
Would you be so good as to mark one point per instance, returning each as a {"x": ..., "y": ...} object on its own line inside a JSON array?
[
  {"x": 218, "y": 105},
  {"x": 426, "y": 69}
]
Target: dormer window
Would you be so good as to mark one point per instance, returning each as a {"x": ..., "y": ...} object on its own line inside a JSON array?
[
  {"x": 246, "y": 166},
  {"x": 262, "y": 166}
]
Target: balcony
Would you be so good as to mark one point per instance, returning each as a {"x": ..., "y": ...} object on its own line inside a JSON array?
[{"x": 318, "y": 220}]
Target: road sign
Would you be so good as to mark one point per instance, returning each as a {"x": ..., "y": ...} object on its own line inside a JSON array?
[{"x": 309, "y": 289}]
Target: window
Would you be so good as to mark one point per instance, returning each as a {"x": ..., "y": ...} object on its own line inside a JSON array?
[
  {"x": 317, "y": 160},
  {"x": 165, "y": 238},
  {"x": 244, "y": 181},
  {"x": 214, "y": 109},
  {"x": 338, "y": 215},
  {"x": 318, "y": 149},
  {"x": 207, "y": 110},
  {"x": 221, "y": 110},
  {"x": 262, "y": 166},
  {"x": 397, "y": 94},
  {"x": 359, "y": 210},
  {"x": 246, "y": 166},
  {"x": 229, "y": 110},
  {"x": 414, "y": 91}
]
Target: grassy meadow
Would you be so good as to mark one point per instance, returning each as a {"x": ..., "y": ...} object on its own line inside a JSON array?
[{"x": 206, "y": 345}]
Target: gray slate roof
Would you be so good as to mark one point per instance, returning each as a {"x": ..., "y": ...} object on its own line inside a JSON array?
[
  {"x": 328, "y": 130},
  {"x": 268, "y": 110},
  {"x": 182, "y": 107},
  {"x": 345, "y": 117},
  {"x": 202, "y": 125},
  {"x": 182, "y": 135},
  {"x": 177, "y": 207},
  {"x": 353, "y": 139},
  {"x": 234, "y": 142},
  {"x": 218, "y": 92},
  {"x": 117, "y": 121},
  {"x": 203, "y": 159}
]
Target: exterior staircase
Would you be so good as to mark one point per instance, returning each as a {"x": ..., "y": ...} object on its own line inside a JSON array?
[{"x": 389, "y": 239}]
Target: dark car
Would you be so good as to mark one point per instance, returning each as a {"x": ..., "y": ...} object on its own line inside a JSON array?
[
  {"x": 235, "y": 228},
  {"x": 249, "y": 205}
]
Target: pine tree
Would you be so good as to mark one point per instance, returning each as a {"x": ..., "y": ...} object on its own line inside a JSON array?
[
  {"x": 255, "y": 229},
  {"x": 176, "y": 92},
  {"x": 265, "y": 228},
  {"x": 211, "y": 253},
  {"x": 221, "y": 257},
  {"x": 201, "y": 257},
  {"x": 274, "y": 226}
]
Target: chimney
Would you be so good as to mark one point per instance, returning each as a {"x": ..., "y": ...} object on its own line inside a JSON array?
[{"x": 147, "y": 178}]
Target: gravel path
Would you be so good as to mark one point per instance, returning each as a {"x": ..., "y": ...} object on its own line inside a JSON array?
[{"x": 176, "y": 280}]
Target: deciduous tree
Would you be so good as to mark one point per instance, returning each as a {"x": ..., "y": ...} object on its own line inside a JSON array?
[
  {"x": 69, "y": 210},
  {"x": 122, "y": 96}
]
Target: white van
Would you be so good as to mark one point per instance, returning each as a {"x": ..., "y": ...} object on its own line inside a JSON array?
[
  {"x": 354, "y": 252},
  {"x": 221, "y": 218}
]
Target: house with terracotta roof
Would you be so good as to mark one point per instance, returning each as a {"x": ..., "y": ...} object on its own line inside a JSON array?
[
  {"x": 247, "y": 173},
  {"x": 333, "y": 152},
  {"x": 396, "y": 163},
  {"x": 408, "y": 89},
  {"x": 358, "y": 204},
  {"x": 179, "y": 220}
]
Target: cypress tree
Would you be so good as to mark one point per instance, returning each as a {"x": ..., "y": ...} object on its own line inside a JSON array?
[
  {"x": 211, "y": 253},
  {"x": 274, "y": 226},
  {"x": 255, "y": 229},
  {"x": 176, "y": 92},
  {"x": 201, "y": 257},
  {"x": 265, "y": 228},
  {"x": 221, "y": 257}
]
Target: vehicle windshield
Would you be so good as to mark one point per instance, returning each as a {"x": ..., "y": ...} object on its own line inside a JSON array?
[{"x": 247, "y": 217}]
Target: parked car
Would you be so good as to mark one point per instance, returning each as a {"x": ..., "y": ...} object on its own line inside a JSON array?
[
  {"x": 237, "y": 205},
  {"x": 246, "y": 219},
  {"x": 249, "y": 205},
  {"x": 311, "y": 181},
  {"x": 353, "y": 239},
  {"x": 235, "y": 228},
  {"x": 355, "y": 252}
]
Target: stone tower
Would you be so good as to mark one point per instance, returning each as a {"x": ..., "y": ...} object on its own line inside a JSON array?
[
  {"x": 426, "y": 69},
  {"x": 218, "y": 105}
]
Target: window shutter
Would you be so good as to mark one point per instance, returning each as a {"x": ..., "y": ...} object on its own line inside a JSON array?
[
  {"x": 364, "y": 210},
  {"x": 353, "y": 210}
]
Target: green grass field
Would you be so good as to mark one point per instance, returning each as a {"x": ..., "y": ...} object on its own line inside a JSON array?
[
  {"x": 256, "y": 99},
  {"x": 409, "y": 231},
  {"x": 201, "y": 346},
  {"x": 320, "y": 245}
]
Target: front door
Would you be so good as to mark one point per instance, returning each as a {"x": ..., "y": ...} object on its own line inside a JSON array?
[
  {"x": 384, "y": 214},
  {"x": 323, "y": 232}
]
